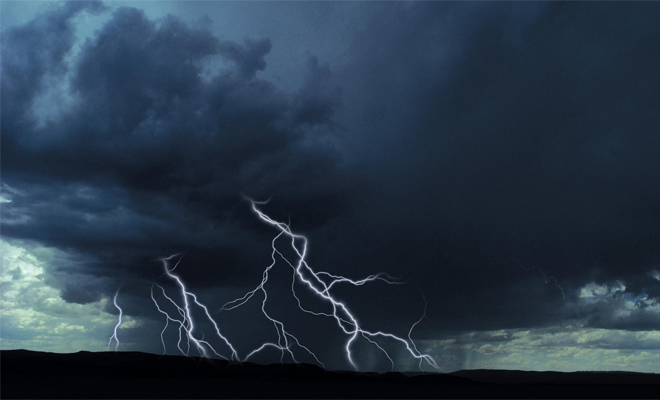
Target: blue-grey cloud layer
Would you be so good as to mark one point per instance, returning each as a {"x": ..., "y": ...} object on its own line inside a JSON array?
[
  {"x": 457, "y": 139},
  {"x": 148, "y": 136}
]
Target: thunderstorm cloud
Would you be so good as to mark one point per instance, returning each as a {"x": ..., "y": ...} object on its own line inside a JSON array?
[{"x": 454, "y": 145}]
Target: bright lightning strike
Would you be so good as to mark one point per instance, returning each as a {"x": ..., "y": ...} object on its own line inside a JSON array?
[
  {"x": 114, "y": 335},
  {"x": 319, "y": 283},
  {"x": 186, "y": 322},
  {"x": 345, "y": 319}
]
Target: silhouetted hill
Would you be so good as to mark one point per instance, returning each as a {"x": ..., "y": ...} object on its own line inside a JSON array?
[
  {"x": 28, "y": 374},
  {"x": 502, "y": 376}
]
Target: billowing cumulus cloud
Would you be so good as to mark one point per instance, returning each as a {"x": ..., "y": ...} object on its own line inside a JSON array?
[
  {"x": 151, "y": 149},
  {"x": 35, "y": 315}
]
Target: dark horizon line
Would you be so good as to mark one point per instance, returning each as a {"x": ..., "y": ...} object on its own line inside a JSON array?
[{"x": 199, "y": 357}]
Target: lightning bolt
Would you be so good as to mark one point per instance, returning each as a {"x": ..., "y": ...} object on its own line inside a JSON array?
[
  {"x": 283, "y": 336},
  {"x": 320, "y": 283},
  {"x": 114, "y": 335},
  {"x": 186, "y": 321},
  {"x": 547, "y": 277}
]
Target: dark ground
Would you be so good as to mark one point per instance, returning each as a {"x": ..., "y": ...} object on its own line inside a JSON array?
[{"x": 28, "y": 374}]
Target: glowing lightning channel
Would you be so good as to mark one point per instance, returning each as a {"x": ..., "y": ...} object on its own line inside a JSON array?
[
  {"x": 340, "y": 312},
  {"x": 114, "y": 335},
  {"x": 187, "y": 323},
  {"x": 547, "y": 277},
  {"x": 282, "y": 334}
]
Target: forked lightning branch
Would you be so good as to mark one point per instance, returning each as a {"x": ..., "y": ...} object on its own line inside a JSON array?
[{"x": 318, "y": 283}]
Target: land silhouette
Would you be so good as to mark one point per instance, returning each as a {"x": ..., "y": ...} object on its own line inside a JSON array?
[{"x": 30, "y": 374}]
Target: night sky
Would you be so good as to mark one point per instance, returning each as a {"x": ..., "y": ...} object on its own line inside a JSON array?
[{"x": 502, "y": 159}]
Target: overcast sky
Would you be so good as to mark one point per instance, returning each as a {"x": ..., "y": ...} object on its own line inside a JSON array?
[{"x": 500, "y": 158}]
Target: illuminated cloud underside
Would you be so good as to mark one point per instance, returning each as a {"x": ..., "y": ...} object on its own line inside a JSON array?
[{"x": 33, "y": 314}]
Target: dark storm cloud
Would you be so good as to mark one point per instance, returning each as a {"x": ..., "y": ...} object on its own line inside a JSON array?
[
  {"x": 639, "y": 319},
  {"x": 525, "y": 131},
  {"x": 479, "y": 135},
  {"x": 250, "y": 58},
  {"x": 39, "y": 48},
  {"x": 154, "y": 153}
]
